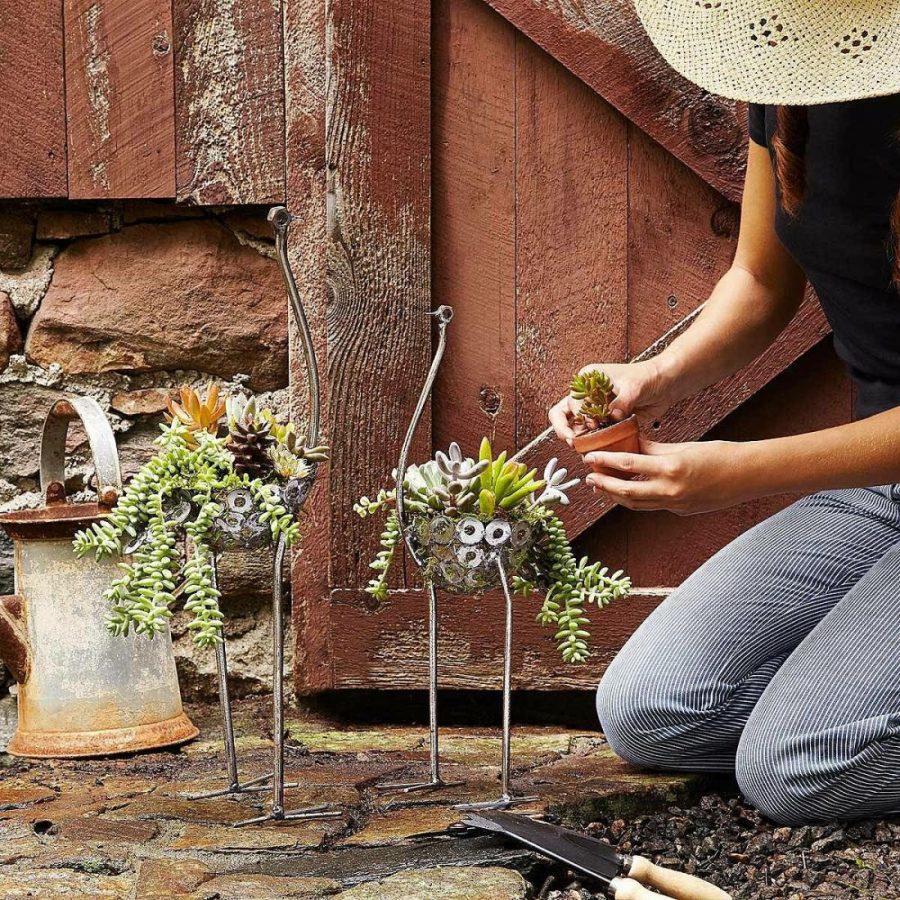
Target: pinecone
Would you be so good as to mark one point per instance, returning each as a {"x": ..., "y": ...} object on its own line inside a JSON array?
[{"x": 249, "y": 445}]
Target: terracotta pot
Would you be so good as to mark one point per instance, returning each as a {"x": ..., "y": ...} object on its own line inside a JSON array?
[{"x": 620, "y": 438}]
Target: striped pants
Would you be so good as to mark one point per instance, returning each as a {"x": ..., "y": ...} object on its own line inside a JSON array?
[{"x": 779, "y": 659}]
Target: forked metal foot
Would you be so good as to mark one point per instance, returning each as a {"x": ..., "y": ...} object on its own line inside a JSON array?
[
  {"x": 435, "y": 783},
  {"x": 410, "y": 787},
  {"x": 297, "y": 815},
  {"x": 503, "y": 802},
  {"x": 254, "y": 786}
]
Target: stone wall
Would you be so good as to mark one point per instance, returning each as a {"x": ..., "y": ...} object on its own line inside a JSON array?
[{"x": 124, "y": 302}]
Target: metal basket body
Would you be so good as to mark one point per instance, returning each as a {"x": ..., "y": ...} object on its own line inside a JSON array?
[
  {"x": 240, "y": 527},
  {"x": 461, "y": 554}
]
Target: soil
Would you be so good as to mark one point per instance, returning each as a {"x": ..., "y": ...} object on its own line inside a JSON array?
[{"x": 736, "y": 848}]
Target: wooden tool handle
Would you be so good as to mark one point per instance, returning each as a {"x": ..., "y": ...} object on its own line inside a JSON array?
[
  {"x": 679, "y": 884},
  {"x": 629, "y": 889}
]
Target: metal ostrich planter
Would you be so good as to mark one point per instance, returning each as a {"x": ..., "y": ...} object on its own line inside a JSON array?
[
  {"x": 203, "y": 494},
  {"x": 242, "y": 526},
  {"x": 471, "y": 525}
]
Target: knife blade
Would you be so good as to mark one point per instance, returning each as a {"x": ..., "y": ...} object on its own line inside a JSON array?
[{"x": 598, "y": 859}]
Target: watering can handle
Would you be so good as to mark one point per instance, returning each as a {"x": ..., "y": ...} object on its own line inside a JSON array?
[{"x": 102, "y": 443}]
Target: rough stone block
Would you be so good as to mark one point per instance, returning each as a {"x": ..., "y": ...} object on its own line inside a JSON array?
[
  {"x": 185, "y": 295},
  {"x": 16, "y": 235},
  {"x": 445, "y": 883},
  {"x": 62, "y": 224}
]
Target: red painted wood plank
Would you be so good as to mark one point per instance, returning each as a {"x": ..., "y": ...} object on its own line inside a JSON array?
[
  {"x": 571, "y": 233},
  {"x": 682, "y": 237},
  {"x": 474, "y": 211},
  {"x": 119, "y": 104},
  {"x": 229, "y": 101},
  {"x": 304, "y": 78},
  {"x": 388, "y": 648},
  {"x": 378, "y": 254},
  {"x": 32, "y": 99},
  {"x": 603, "y": 43}
]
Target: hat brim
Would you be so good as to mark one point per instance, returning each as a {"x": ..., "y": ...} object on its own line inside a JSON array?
[{"x": 790, "y": 52}]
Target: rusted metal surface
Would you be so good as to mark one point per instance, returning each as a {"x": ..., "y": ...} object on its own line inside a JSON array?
[
  {"x": 83, "y": 691},
  {"x": 13, "y": 639}
]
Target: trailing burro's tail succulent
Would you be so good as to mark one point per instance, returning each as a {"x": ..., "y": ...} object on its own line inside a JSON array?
[{"x": 453, "y": 501}]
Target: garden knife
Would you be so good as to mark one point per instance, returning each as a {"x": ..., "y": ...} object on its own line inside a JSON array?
[{"x": 623, "y": 875}]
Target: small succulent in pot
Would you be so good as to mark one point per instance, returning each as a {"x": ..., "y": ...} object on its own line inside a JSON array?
[
  {"x": 226, "y": 474},
  {"x": 465, "y": 515},
  {"x": 595, "y": 427}
]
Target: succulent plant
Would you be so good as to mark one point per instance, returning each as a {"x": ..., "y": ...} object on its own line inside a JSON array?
[
  {"x": 194, "y": 471},
  {"x": 250, "y": 438},
  {"x": 594, "y": 389},
  {"x": 197, "y": 414},
  {"x": 453, "y": 492}
]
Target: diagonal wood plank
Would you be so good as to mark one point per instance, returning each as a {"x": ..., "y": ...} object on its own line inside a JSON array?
[
  {"x": 604, "y": 44},
  {"x": 692, "y": 418}
]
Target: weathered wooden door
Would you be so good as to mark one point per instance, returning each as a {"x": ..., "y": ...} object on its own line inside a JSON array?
[{"x": 536, "y": 165}]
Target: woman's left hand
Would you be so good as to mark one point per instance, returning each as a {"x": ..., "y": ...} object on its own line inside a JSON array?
[{"x": 683, "y": 478}]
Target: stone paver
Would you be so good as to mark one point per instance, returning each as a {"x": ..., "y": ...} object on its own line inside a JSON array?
[
  {"x": 121, "y": 827},
  {"x": 265, "y": 887},
  {"x": 48, "y": 884},
  {"x": 444, "y": 883}
]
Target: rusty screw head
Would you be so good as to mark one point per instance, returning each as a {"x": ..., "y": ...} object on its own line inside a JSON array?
[{"x": 109, "y": 496}]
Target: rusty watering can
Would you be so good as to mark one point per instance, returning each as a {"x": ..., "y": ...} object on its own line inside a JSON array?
[{"x": 82, "y": 690}]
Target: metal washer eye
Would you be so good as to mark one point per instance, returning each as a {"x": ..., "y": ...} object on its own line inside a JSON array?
[
  {"x": 521, "y": 534},
  {"x": 470, "y": 557},
  {"x": 442, "y": 530},
  {"x": 134, "y": 545},
  {"x": 453, "y": 572},
  {"x": 497, "y": 533},
  {"x": 470, "y": 531},
  {"x": 239, "y": 500}
]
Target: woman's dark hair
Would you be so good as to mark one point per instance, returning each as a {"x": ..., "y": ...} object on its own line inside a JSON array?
[{"x": 789, "y": 146}]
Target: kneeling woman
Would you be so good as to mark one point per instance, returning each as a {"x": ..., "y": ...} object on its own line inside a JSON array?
[{"x": 779, "y": 657}]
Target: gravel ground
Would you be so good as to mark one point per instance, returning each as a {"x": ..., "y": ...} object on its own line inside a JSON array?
[{"x": 739, "y": 850}]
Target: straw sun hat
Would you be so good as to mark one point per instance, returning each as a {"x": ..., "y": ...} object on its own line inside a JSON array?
[{"x": 794, "y": 52}]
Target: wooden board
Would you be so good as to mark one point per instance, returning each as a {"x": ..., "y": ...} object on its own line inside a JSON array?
[
  {"x": 388, "y": 648},
  {"x": 119, "y": 104},
  {"x": 378, "y": 254},
  {"x": 229, "y": 101},
  {"x": 682, "y": 236},
  {"x": 304, "y": 79},
  {"x": 474, "y": 137},
  {"x": 604, "y": 44},
  {"x": 571, "y": 233},
  {"x": 32, "y": 99}
]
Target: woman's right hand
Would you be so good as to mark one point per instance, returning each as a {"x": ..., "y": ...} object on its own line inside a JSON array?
[{"x": 639, "y": 390}]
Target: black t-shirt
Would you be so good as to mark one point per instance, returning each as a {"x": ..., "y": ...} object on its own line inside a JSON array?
[{"x": 841, "y": 235}]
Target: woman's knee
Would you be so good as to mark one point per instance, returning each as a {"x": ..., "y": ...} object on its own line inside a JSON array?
[
  {"x": 640, "y": 711},
  {"x": 782, "y": 781}
]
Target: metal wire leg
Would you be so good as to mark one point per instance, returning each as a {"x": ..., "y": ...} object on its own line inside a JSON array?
[
  {"x": 277, "y": 812},
  {"x": 436, "y": 781},
  {"x": 234, "y": 783},
  {"x": 506, "y": 799}
]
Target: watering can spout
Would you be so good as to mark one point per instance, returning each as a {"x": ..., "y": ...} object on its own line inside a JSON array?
[{"x": 13, "y": 642}]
